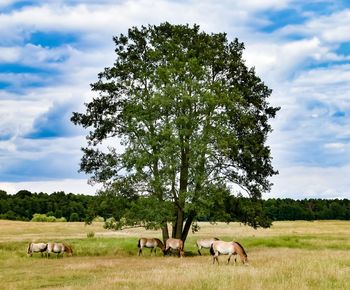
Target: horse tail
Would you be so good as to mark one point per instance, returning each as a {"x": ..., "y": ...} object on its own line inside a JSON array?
[
  {"x": 182, "y": 245},
  {"x": 244, "y": 253},
  {"x": 139, "y": 243},
  {"x": 212, "y": 252},
  {"x": 216, "y": 239},
  {"x": 28, "y": 247},
  {"x": 181, "y": 248}
]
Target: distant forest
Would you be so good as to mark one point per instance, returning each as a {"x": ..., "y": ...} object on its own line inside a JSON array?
[{"x": 78, "y": 207}]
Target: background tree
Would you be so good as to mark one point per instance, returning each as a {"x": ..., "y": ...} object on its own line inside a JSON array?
[{"x": 192, "y": 118}]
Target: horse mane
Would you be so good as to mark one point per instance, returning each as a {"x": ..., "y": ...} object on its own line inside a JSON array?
[
  {"x": 244, "y": 253},
  {"x": 159, "y": 242}
]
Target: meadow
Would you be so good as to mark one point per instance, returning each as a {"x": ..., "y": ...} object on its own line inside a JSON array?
[{"x": 289, "y": 255}]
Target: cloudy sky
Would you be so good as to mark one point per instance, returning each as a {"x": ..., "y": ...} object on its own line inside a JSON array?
[{"x": 50, "y": 51}]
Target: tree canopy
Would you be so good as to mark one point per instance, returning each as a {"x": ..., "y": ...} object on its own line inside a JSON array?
[{"x": 192, "y": 120}]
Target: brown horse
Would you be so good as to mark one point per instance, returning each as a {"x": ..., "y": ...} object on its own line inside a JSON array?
[
  {"x": 205, "y": 243},
  {"x": 59, "y": 248},
  {"x": 175, "y": 244},
  {"x": 150, "y": 243},
  {"x": 227, "y": 248}
]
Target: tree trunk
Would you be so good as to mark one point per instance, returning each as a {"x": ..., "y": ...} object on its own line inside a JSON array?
[
  {"x": 179, "y": 224},
  {"x": 187, "y": 226},
  {"x": 165, "y": 232},
  {"x": 173, "y": 229}
]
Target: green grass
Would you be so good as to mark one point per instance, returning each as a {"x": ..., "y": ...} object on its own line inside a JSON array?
[{"x": 289, "y": 255}]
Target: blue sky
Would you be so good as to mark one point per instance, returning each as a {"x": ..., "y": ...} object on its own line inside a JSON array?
[{"x": 50, "y": 51}]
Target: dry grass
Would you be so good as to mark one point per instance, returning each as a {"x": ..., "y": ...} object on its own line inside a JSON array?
[{"x": 276, "y": 267}]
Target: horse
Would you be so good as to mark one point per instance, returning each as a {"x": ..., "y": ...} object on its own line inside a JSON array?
[
  {"x": 149, "y": 243},
  {"x": 228, "y": 248},
  {"x": 59, "y": 248},
  {"x": 175, "y": 244},
  {"x": 36, "y": 248},
  {"x": 205, "y": 243}
]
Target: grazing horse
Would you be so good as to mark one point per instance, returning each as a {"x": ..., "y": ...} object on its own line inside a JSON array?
[
  {"x": 175, "y": 244},
  {"x": 36, "y": 248},
  {"x": 205, "y": 243},
  {"x": 149, "y": 243},
  {"x": 59, "y": 248},
  {"x": 228, "y": 248}
]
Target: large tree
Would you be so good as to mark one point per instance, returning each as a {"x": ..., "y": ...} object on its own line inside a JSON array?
[{"x": 191, "y": 117}]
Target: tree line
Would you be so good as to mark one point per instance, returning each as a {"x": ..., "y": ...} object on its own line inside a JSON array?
[{"x": 79, "y": 207}]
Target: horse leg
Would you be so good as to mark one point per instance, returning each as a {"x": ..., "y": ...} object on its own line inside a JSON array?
[
  {"x": 216, "y": 257},
  {"x": 140, "y": 251},
  {"x": 229, "y": 258},
  {"x": 199, "y": 252},
  {"x": 166, "y": 251}
]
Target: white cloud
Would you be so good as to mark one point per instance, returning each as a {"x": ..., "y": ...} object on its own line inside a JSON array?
[
  {"x": 78, "y": 186},
  {"x": 311, "y": 182},
  {"x": 9, "y": 54},
  {"x": 17, "y": 116},
  {"x": 280, "y": 61},
  {"x": 4, "y": 3},
  {"x": 330, "y": 28},
  {"x": 339, "y": 147}
]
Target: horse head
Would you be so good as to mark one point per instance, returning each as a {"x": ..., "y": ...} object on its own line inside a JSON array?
[
  {"x": 241, "y": 252},
  {"x": 68, "y": 250}
]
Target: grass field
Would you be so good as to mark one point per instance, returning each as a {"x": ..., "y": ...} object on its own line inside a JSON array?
[{"x": 289, "y": 255}]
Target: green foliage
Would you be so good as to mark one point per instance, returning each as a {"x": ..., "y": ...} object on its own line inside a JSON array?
[
  {"x": 192, "y": 118},
  {"x": 37, "y": 217},
  {"x": 98, "y": 219},
  {"x": 215, "y": 205},
  {"x": 248, "y": 211},
  {"x": 143, "y": 212},
  {"x": 74, "y": 217}
]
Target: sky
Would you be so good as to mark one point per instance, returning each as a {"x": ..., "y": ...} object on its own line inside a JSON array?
[{"x": 51, "y": 51}]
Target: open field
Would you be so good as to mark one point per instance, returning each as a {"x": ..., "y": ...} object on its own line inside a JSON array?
[{"x": 289, "y": 255}]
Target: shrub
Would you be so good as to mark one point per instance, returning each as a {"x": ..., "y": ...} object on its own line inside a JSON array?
[
  {"x": 74, "y": 217},
  {"x": 98, "y": 219},
  {"x": 90, "y": 234},
  {"x": 37, "y": 217}
]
